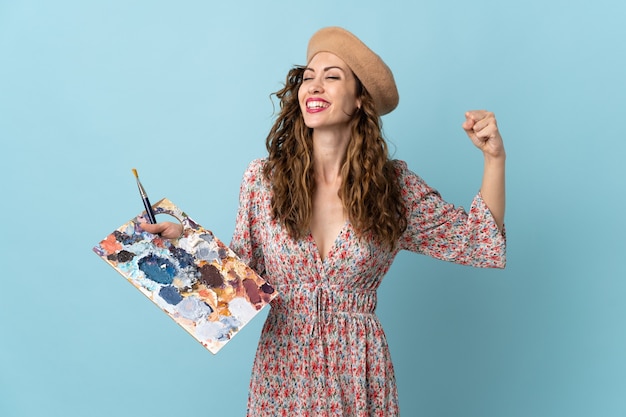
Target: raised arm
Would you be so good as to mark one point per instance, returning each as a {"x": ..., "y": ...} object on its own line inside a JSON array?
[{"x": 482, "y": 129}]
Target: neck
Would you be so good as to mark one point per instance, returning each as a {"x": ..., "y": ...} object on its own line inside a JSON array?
[{"x": 329, "y": 150}]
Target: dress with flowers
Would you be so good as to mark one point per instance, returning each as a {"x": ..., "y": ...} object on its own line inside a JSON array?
[{"x": 322, "y": 350}]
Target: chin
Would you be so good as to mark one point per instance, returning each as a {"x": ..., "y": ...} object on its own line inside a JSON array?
[{"x": 312, "y": 124}]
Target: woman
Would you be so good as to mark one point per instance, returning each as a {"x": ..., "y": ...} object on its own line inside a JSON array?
[{"x": 322, "y": 218}]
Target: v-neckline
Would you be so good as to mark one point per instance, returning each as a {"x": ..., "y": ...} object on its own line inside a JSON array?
[{"x": 332, "y": 247}]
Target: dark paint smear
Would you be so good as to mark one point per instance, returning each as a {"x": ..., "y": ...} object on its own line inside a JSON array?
[
  {"x": 171, "y": 295},
  {"x": 157, "y": 269},
  {"x": 182, "y": 256},
  {"x": 267, "y": 288},
  {"x": 210, "y": 276},
  {"x": 122, "y": 256},
  {"x": 252, "y": 290},
  {"x": 124, "y": 238},
  {"x": 125, "y": 256}
]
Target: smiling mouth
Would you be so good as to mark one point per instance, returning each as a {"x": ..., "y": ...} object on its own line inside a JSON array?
[{"x": 317, "y": 104}]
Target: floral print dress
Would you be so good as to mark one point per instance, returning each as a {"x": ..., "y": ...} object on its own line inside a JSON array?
[{"x": 322, "y": 350}]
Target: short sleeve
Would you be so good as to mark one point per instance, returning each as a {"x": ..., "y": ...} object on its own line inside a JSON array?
[
  {"x": 247, "y": 237},
  {"x": 441, "y": 230}
]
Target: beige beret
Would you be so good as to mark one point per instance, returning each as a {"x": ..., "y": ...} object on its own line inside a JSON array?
[{"x": 366, "y": 65}]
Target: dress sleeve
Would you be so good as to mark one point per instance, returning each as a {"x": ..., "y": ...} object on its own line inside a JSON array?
[
  {"x": 247, "y": 238},
  {"x": 441, "y": 230}
]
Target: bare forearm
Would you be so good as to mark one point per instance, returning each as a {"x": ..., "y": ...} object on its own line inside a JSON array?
[{"x": 493, "y": 187}]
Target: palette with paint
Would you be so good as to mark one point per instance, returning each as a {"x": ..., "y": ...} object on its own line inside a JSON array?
[{"x": 195, "y": 279}]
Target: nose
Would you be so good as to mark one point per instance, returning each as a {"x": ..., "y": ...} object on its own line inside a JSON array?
[{"x": 315, "y": 86}]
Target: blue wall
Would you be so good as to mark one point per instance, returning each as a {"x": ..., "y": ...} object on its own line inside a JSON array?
[{"x": 91, "y": 89}]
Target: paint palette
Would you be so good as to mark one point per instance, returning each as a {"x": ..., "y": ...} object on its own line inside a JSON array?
[{"x": 195, "y": 279}]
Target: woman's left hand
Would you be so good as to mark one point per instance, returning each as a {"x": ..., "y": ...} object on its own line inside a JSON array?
[{"x": 482, "y": 129}]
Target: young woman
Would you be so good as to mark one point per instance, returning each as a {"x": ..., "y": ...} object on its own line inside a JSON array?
[{"x": 322, "y": 218}]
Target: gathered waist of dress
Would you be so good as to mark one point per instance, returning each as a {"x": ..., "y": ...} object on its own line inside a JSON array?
[{"x": 324, "y": 299}]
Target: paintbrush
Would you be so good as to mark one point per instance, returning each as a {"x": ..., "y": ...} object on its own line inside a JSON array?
[{"x": 144, "y": 197}]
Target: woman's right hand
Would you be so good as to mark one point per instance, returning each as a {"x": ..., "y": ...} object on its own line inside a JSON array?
[{"x": 167, "y": 230}]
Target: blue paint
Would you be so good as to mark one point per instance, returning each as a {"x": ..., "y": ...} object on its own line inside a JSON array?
[
  {"x": 207, "y": 237},
  {"x": 183, "y": 257},
  {"x": 157, "y": 269},
  {"x": 193, "y": 308},
  {"x": 170, "y": 295},
  {"x": 124, "y": 238}
]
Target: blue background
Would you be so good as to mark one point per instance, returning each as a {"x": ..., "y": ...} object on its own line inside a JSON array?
[{"x": 180, "y": 91}]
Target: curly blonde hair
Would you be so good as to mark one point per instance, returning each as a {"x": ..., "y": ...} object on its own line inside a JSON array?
[{"x": 369, "y": 190}]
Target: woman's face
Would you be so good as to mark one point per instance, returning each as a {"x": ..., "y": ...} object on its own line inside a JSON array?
[{"x": 327, "y": 95}]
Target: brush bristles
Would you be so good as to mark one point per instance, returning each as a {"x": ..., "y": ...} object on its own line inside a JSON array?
[{"x": 135, "y": 172}]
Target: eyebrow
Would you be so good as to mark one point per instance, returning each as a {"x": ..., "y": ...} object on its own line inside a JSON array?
[{"x": 325, "y": 69}]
